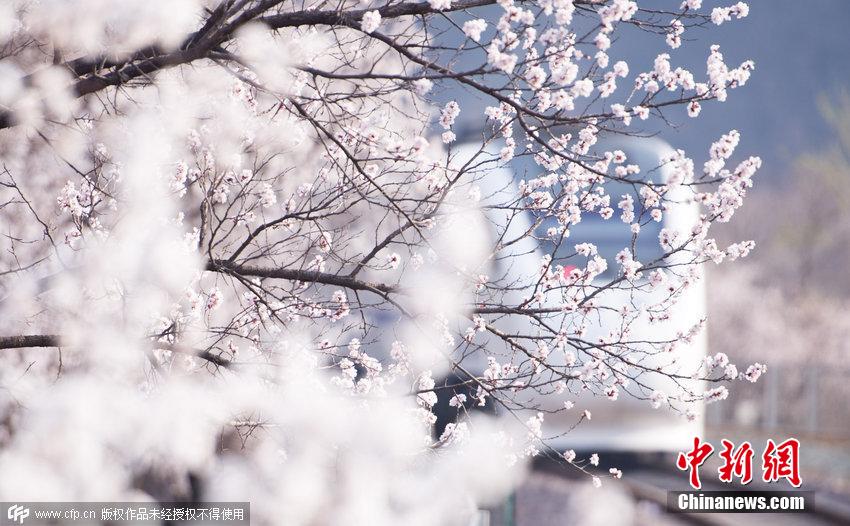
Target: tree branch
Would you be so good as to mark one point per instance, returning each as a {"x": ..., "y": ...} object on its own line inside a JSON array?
[
  {"x": 198, "y": 45},
  {"x": 30, "y": 340},
  {"x": 54, "y": 340},
  {"x": 308, "y": 276}
]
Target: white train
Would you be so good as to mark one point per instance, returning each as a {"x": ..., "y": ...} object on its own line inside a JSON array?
[{"x": 626, "y": 425}]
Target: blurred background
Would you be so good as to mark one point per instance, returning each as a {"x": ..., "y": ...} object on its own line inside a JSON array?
[{"x": 788, "y": 304}]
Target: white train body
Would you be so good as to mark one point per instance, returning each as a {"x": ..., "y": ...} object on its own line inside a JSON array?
[{"x": 627, "y": 424}]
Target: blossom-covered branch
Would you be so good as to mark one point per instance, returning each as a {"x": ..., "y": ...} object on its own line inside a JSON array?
[{"x": 326, "y": 223}]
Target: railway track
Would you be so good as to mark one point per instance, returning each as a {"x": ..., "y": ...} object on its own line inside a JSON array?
[
  {"x": 652, "y": 487},
  {"x": 553, "y": 496}
]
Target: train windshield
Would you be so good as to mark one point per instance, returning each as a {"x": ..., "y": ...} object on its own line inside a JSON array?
[{"x": 612, "y": 235}]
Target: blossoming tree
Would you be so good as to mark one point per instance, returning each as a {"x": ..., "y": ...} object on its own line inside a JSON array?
[{"x": 245, "y": 253}]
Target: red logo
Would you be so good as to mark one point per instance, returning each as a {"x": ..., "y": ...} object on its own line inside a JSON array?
[
  {"x": 694, "y": 459},
  {"x": 736, "y": 462},
  {"x": 778, "y": 461},
  {"x": 782, "y": 461}
]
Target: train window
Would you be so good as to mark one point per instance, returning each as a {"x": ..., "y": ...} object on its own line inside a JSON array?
[{"x": 609, "y": 235}]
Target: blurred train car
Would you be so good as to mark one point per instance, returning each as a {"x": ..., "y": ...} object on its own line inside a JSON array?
[{"x": 627, "y": 425}]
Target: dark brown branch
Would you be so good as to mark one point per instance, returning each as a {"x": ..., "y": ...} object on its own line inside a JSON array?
[
  {"x": 307, "y": 276},
  {"x": 304, "y": 18},
  {"x": 54, "y": 340},
  {"x": 199, "y": 44},
  {"x": 30, "y": 340}
]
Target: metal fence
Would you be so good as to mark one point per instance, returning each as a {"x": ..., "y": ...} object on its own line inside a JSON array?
[{"x": 810, "y": 400}]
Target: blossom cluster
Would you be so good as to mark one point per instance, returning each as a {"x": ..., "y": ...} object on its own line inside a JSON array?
[{"x": 283, "y": 238}]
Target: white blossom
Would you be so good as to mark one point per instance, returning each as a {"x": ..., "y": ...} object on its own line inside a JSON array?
[
  {"x": 370, "y": 21},
  {"x": 474, "y": 28}
]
